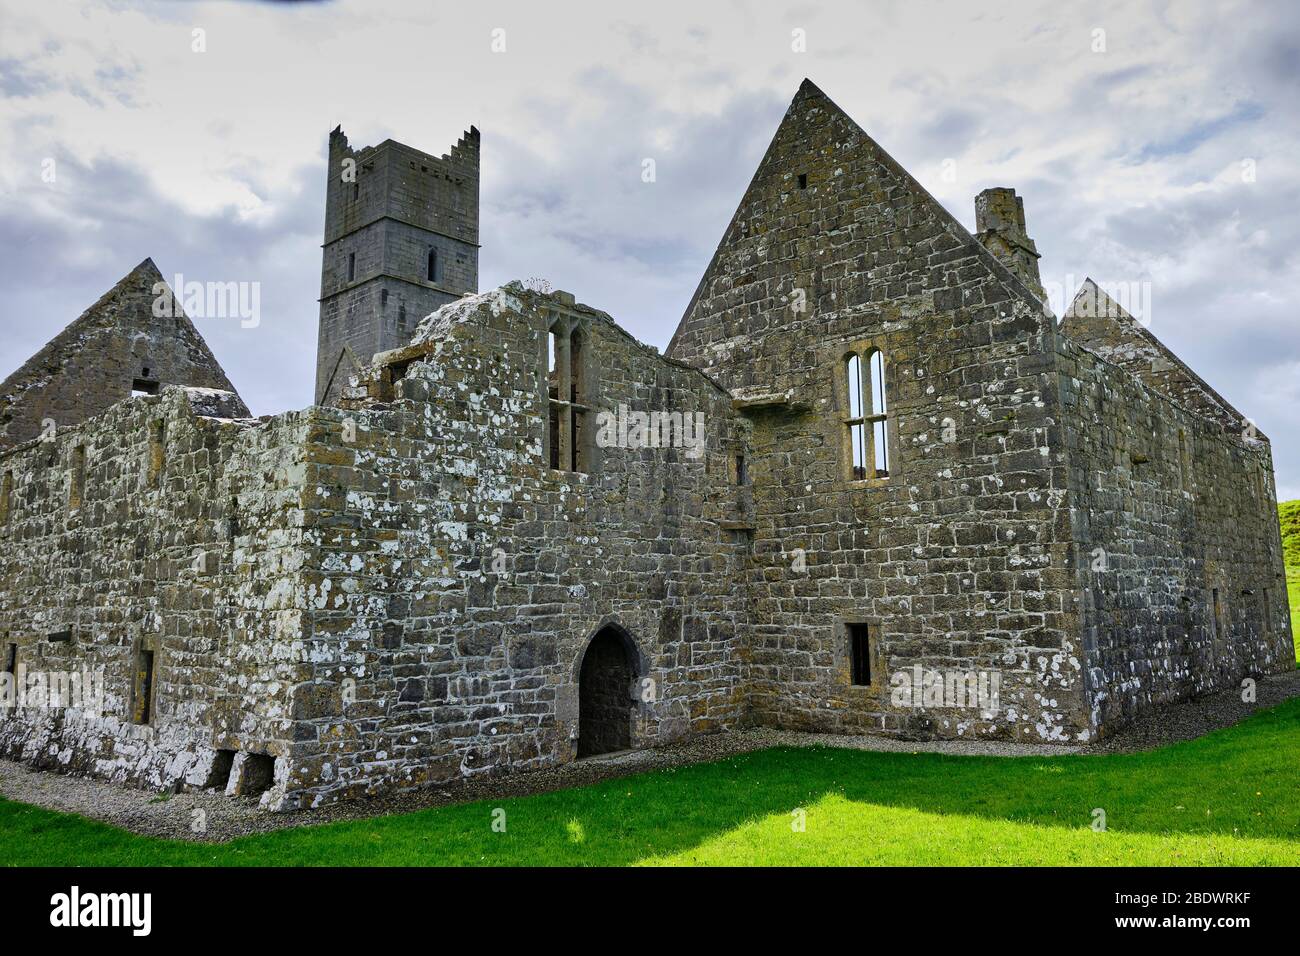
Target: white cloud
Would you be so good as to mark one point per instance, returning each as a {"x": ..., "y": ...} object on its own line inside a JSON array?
[{"x": 1130, "y": 160}]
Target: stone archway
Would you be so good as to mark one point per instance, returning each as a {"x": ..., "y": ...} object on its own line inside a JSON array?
[{"x": 605, "y": 694}]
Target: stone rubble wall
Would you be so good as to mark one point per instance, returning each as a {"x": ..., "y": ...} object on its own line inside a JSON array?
[
  {"x": 193, "y": 554},
  {"x": 961, "y": 559},
  {"x": 1161, "y": 524},
  {"x": 454, "y": 580}
]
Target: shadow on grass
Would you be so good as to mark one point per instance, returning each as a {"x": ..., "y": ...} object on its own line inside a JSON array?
[{"x": 1237, "y": 782}]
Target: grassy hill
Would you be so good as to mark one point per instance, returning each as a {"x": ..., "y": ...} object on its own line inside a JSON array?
[{"x": 1288, "y": 513}]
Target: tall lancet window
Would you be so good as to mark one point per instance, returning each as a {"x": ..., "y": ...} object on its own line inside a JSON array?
[
  {"x": 867, "y": 418},
  {"x": 879, "y": 411},
  {"x": 567, "y": 393},
  {"x": 856, "y": 421}
]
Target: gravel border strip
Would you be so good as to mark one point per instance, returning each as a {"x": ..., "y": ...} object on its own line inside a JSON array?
[{"x": 174, "y": 815}]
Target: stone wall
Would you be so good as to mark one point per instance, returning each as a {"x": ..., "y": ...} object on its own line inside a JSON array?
[
  {"x": 460, "y": 579},
  {"x": 1174, "y": 515},
  {"x": 960, "y": 560},
  {"x": 151, "y": 529},
  {"x": 385, "y": 596},
  {"x": 102, "y": 355}
]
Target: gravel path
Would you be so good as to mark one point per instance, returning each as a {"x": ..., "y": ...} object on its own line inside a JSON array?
[{"x": 216, "y": 818}]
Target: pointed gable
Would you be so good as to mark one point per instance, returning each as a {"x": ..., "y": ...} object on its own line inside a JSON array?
[
  {"x": 115, "y": 346},
  {"x": 1101, "y": 325},
  {"x": 832, "y": 235}
]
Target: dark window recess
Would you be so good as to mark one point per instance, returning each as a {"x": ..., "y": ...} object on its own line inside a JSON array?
[
  {"x": 141, "y": 386},
  {"x": 143, "y": 688},
  {"x": 157, "y": 449},
  {"x": 803, "y": 180},
  {"x": 259, "y": 774},
  {"x": 397, "y": 371},
  {"x": 77, "y": 482},
  {"x": 219, "y": 775},
  {"x": 11, "y": 667},
  {"x": 383, "y": 298},
  {"x": 352, "y": 266},
  {"x": 742, "y": 472},
  {"x": 555, "y": 435},
  {"x": 401, "y": 317},
  {"x": 860, "y": 653},
  {"x": 432, "y": 270}
]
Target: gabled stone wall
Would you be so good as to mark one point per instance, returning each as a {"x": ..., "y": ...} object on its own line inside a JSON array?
[
  {"x": 97, "y": 360},
  {"x": 961, "y": 559}
]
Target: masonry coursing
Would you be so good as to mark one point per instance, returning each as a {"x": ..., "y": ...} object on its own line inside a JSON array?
[{"x": 411, "y": 583}]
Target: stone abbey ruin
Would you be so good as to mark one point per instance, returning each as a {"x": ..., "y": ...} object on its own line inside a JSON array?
[{"x": 473, "y": 553}]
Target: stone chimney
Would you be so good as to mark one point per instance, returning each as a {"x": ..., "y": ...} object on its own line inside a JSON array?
[{"x": 1000, "y": 225}]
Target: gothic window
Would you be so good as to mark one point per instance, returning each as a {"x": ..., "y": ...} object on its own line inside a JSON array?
[
  {"x": 868, "y": 415},
  {"x": 567, "y": 398},
  {"x": 880, "y": 433}
]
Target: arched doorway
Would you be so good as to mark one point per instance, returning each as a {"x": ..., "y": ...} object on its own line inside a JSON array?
[{"x": 605, "y": 694}]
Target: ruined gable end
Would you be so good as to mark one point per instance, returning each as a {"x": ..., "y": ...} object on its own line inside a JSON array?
[
  {"x": 117, "y": 347},
  {"x": 1096, "y": 321}
]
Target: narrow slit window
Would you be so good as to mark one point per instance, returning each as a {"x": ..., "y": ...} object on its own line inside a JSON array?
[
  {"x": 6, "y": 496},
  {"x": 11, "y": 667},
  {"x": 1183, "y": 467},
  {"x": 144, "y": 681},
  {"x": 352, "y": 266},
  {"x": 578, "y": 398},
  {"x": 567, "y": 399},
  {"x": 742, "y": 474},
  {"x": 157, "y": 449},
  {"x": 553, "y": 395},
  {"x": 803, "y": 180},
  {"x": 1218, "y": 614},
  {"x": 879, "y": 411},
  {"x": 856, "y": 421},
  {"x": 860, "y": 654},
  {"x": 432, "y": 265},
  {"x": 77, "y": 478}
]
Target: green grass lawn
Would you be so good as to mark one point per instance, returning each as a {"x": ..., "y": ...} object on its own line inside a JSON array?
[
  {"x": 1232, "y": 797},
  {"x": 1293, "y": 593},
  {"x": 1288, "y": 513}
]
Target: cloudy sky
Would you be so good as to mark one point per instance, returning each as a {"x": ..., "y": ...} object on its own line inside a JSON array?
[{"x": 1155, "y": 144}]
